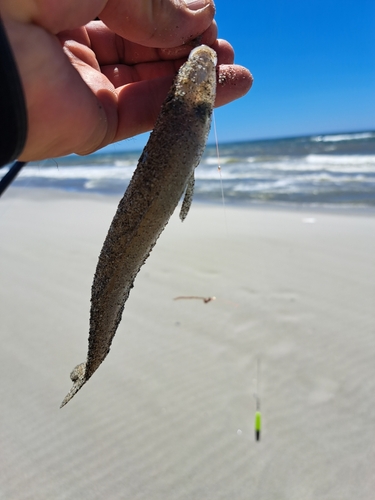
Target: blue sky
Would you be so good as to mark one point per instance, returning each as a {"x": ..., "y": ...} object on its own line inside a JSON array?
[{"x": 313, "y": 63}]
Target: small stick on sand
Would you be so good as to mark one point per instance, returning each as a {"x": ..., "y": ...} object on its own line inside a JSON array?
[{"x": 205, "y": 299}]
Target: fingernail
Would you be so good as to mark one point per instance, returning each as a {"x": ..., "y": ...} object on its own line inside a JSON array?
[{"x": 196, "y": 4}]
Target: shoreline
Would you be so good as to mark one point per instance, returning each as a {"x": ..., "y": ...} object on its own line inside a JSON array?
[{"x": 329, "y": 208}]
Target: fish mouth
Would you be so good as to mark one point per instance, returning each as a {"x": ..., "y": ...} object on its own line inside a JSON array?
[{"x": 205, "y": 53}]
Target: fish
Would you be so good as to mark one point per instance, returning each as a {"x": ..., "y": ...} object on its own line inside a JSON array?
[{"x": 164, "y": 172}]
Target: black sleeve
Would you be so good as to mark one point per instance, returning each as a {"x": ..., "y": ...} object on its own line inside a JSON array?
[{"x": 13, "y": 116}]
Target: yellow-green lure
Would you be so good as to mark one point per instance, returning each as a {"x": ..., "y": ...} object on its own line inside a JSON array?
[
  {"x": 258, "y": 425},
  {"x": 258, "y": 415}
]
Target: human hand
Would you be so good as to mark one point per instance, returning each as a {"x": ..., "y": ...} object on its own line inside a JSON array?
[{"x": 88, "y": 84}]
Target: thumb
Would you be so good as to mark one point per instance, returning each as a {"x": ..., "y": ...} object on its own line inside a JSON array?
[{"x": 158, "y": 23}]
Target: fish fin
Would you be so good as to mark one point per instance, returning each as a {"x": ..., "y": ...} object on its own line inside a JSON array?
[
  {"x": 78, "y": 376},
  {"x": 188, "y": 198}
]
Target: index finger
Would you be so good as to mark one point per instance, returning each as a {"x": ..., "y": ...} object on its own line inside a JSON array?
[{"x": 111, "y": 48}]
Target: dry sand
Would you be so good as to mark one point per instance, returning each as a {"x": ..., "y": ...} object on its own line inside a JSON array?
[{"x": 169, "y": 414}]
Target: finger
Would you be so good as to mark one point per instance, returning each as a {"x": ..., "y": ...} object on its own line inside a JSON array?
[
  {"x": 233, "y": 82},
  {"x": 158, "y": 23},
  {"x": 112, "y": 49},
  {"x": 52, "y": 15},
  {"x": 224, "y": 51}
]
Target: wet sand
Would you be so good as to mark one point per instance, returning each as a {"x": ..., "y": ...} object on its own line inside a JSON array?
[{"x": 170, "y": 413}]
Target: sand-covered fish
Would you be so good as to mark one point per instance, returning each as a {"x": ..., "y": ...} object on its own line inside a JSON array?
[{"x": 165, "y": 170}]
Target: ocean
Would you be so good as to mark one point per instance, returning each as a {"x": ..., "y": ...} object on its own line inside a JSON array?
[{"x": 330, "y": 169}]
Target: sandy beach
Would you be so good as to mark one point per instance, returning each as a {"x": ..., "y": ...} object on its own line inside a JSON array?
[{"x": 170, "y": 413}]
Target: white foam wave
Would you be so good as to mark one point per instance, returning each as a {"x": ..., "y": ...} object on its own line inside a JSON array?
[
  {"x": 235, "y": 172},
  {"x": 345, "y": 165},
  {"x": 124, "y": 163},
  {"x": 295, "y": 183},
  {"x": 277, "y": 186},
  {"x": 86, "y": 172},
  {"x": 341, "y": 159},
  {"x": 213, "y": 160},
  {"x": 343, "y": 137},
  {"x": 342, "y": 163}
]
